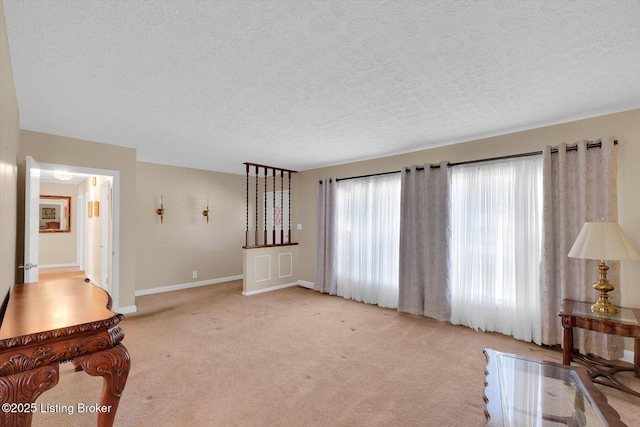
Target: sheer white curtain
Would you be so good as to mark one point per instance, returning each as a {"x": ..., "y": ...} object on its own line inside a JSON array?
[
  {"x": 496, "y": 214},
  {"x": 368, "y": 230}
]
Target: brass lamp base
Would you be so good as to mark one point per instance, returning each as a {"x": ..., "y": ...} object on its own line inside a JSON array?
[{"x": 603, "y": 306}]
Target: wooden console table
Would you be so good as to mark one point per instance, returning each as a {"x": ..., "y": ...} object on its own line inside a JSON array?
[
  {"x": 47, "y": 323},
  {"x": 626, "y": 323}
]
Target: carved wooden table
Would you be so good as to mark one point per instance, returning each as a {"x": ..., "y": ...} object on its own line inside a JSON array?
[
  {"x": 47, "y": 323},
  {"x": 626, "y": 323},
  {"x": 523, "y": 391}
]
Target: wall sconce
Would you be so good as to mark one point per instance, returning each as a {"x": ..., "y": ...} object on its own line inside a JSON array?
[
  {"x": 205, "y": 212},
  {"x": 160, "y": 210}
]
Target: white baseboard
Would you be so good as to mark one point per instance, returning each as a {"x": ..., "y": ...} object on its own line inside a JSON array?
[
  {"x": 305, "y": 284},
  {"x": 274, "y": 288},
  {"x": 59, "y": 265},
  {"x": 180, "y": 286}
]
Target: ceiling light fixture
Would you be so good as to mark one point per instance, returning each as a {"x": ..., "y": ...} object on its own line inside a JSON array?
[{"x": 63, "y": 175}]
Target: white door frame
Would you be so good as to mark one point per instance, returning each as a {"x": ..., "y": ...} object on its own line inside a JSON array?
[
  {"x": 31, "y": 222},
  {"x": 81, "y": 224},
  {"x": 104, "y": 235}
]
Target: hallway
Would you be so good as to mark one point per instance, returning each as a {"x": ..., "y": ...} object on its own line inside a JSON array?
[{"x": 61, "y": 273}]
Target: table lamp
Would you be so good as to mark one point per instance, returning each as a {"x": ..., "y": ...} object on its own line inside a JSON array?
[{"x": 603, "y": 241}]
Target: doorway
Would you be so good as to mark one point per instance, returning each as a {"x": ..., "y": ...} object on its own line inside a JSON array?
[{"x": 104, "y": 192}]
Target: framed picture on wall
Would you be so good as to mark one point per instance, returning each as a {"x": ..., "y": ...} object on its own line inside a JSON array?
[
  {"x": 90, "y": 209},
  {"x": 48, "y": 213},
  {"x": 54, "y": 213}
]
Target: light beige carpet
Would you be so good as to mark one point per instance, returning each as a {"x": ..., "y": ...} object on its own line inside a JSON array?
[{"x": 209, "y": 356}]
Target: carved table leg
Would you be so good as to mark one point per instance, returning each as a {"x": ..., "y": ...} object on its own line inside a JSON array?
[
  {"x": 567, "y": 342},
  {"x": 113, "y": 366},
  {"x": 19, "y": 391}
]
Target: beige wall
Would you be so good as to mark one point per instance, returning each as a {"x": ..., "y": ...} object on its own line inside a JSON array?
[
  {"x": 9, "y": 141},
  {"x": 624, "y": 126},
  {"x": 168, "y": 253},
  {"x": 60, "y": 248},
  {"x": 74, "y": 152}
]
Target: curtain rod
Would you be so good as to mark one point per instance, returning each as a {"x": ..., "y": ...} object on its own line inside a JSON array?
[
  {"x": 554, "y": 150},
  {"x": 367, "y": 176},
  {"x": 574, "y": 147}
]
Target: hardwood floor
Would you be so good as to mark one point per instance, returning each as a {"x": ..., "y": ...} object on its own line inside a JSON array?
[{"x": 61, "y": 273}]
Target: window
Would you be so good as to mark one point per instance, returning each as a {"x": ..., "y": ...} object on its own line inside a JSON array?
[
  {"x": 496, "y": 222},
  {"x": 368, "y": 229}
]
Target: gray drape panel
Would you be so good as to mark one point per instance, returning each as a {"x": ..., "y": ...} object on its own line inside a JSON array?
[
  {"x": 424, "y": 242},
  {"x": 326, "y": 238},
  {"x": 578, "y": 186}
]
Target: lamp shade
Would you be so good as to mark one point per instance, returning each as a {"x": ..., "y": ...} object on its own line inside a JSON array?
[{"x": 603, "y": 241}]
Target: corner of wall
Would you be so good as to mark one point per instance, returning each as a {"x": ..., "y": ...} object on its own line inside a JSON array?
[{"x": 9, "y": 137}]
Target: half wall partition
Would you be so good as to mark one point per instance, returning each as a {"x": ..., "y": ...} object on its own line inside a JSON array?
[{"x": 270, "y": 259}]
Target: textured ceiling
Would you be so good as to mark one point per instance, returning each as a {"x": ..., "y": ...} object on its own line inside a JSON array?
[{"x": 305, "y": 84}]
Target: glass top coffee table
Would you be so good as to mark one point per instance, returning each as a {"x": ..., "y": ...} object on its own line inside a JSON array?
[{"x": 522, "y": 391}]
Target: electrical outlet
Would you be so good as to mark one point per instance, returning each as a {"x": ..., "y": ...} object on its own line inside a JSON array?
[
  {"x": 195, "y": 274},
  {"x": 299, "y": 226}
]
